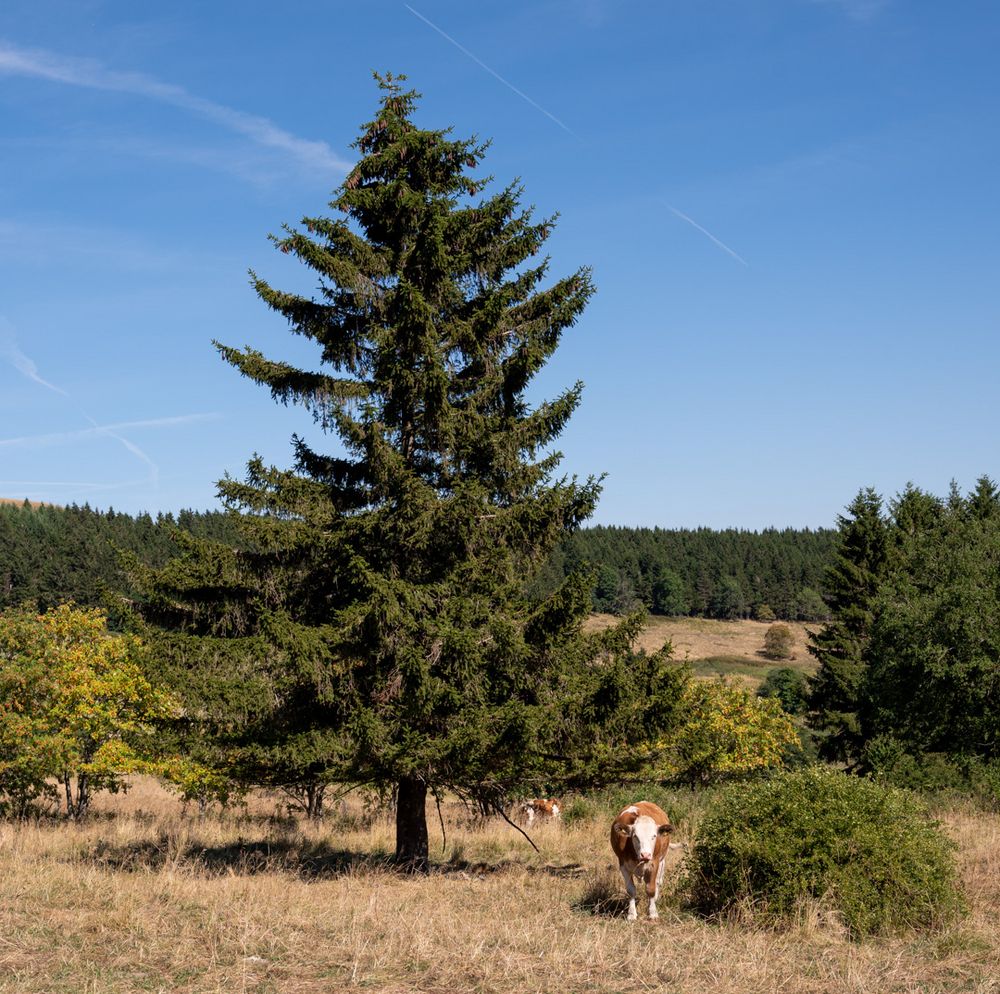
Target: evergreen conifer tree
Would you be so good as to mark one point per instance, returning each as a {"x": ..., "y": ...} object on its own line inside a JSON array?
[
  {"x": 374, "y": 628},
  {"x": 852, "y": 585}
]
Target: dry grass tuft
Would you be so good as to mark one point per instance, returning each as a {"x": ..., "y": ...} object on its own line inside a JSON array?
[{"x": 145, "y": 899}]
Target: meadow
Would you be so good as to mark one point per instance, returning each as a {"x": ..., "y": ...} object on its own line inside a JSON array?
[
  {"x": 719, "y": 648},
  {"x": 144, "y": 897}
]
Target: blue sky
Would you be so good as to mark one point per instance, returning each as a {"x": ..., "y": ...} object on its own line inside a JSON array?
[{"x": 790, "y": 207}]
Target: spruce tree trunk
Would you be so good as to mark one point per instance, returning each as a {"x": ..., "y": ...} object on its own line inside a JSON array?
[
  {"x": 411, "y": 825},
  {"x": 314, "y": 800}
]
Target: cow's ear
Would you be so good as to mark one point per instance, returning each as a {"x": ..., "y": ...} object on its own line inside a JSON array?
[
  {"x": 665, "y": 829},
  {"x": 624, "y": 831}
]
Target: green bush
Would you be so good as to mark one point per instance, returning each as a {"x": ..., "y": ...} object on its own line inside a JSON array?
[
  {"x": 868, "y": 851},
  {"x": 790, "y": 687},
  {"x": 778, "y": 642},
  {"x": 933, "y": 773}
]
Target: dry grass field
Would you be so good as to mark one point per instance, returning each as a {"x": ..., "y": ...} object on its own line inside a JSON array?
[
  {"x": 144, "y": 899},
  {"x": 726, "y": 648}
]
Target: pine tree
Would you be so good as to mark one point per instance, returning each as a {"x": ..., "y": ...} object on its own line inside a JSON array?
[
  {"x": 984, "y": 501},
  {"x": 934, "y": 659},
  {"x": 377, "y": 610},
  {"x": 852, "y": 585}
]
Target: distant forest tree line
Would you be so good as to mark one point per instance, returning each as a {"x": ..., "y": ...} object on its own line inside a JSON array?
[
  {"x": 52, "y": 555},
  {"x": 776, "y": 573}
]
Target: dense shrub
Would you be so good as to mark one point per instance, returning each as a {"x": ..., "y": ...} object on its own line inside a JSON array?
[
  {"x": 867, "y": 851},
  {"x": 790, "y": 687},
  {"x": 888, "y": 760},
  {"x": 778, "y": 642}
]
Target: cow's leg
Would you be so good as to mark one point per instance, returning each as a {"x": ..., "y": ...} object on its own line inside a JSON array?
[
  {"x": 630, "y": 887},
  {"x": 654, "y": 891}
]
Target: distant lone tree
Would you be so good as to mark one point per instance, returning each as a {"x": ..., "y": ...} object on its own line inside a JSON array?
[
  {"x": 778, "y": 642},
  {"x": 375, "y": 628}
]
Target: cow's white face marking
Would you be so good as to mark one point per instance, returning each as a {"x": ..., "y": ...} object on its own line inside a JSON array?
[{"x": 644, "y": 831}]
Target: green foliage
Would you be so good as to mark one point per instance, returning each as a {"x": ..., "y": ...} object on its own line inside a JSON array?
[
  {"x": 669, "y": 594},
  {"x": 912, "y": 659},
  {"x": 52, "y": 555},
  {"x": 700, "y": 571},
  {"x": 870, "y": 852},
  {"x": 685, "y": 805},
  {"x": 727, "y": 731},
  {"x": 77, "y": 708},
  {"x": 933, "y": 672},
  {"x": 729, "y": 600},
  {"x": 890, "y": 761},
  {"x": 372, "y": 625},
  {"x": 778, "y": 642},
  {"x": 196, "y": 782},
  {"x": 56, "y": 555},
  {"x": 790, "y": 688},
  {"x": 811, "y": 606},
  {"x": 852, "y": 584},
  {"x": 763, "y": 612},
  {"x": 606, "y": 588}
]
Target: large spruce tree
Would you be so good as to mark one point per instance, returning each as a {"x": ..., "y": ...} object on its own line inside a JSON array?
[
  {"x": 852, "y": 585},
  {"x": 374, "y": 628}
]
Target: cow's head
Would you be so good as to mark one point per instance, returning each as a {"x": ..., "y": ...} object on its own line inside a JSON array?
[{"x": 642, "y": 835}]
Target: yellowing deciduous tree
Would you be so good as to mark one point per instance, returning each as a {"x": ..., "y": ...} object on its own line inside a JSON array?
[
  {"x": 728, "y": 731},
  {"x": 75, "y": 703}
]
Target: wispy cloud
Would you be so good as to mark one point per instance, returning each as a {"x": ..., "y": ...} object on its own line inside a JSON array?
[
  {"x": 492, "y": 72},
  {"x": 112, "y": 430},
  {"x": 708, "y": 234},
  {"x": 39, "y": 243},
  {"x": 246, "y": 161},
  {"x": 10, "y": 351},
  {"x": 38, "y": 488},
  {"x": 91, "y": 74}
]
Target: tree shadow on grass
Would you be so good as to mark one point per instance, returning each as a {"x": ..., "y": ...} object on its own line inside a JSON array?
[
  {"x": 481, "y": 868},
  {"x": 289, "y": 857},
  {"x": 242, "y": 858}
]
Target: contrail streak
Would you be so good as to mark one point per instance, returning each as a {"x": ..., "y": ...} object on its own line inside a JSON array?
[
  {"x": 26, "y": 366},
  {"x": 73, "y": 484},
  {"x": 90, "y": 74},
  {"x": 58, "y": 437},
  {"x": 23, "y": 364},
  {"x": 492, "y": 72},
  {"x": 707, "y": 234}
]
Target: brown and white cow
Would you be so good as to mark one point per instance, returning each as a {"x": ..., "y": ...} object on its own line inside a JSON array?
[
  {"x": 540, "y": 808},
  {"x": 640, "y": 838}
]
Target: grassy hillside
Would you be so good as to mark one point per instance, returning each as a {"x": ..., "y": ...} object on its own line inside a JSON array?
[
  {"x": 143, "y": 899},
  {"x": 714, "y": 648}
]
